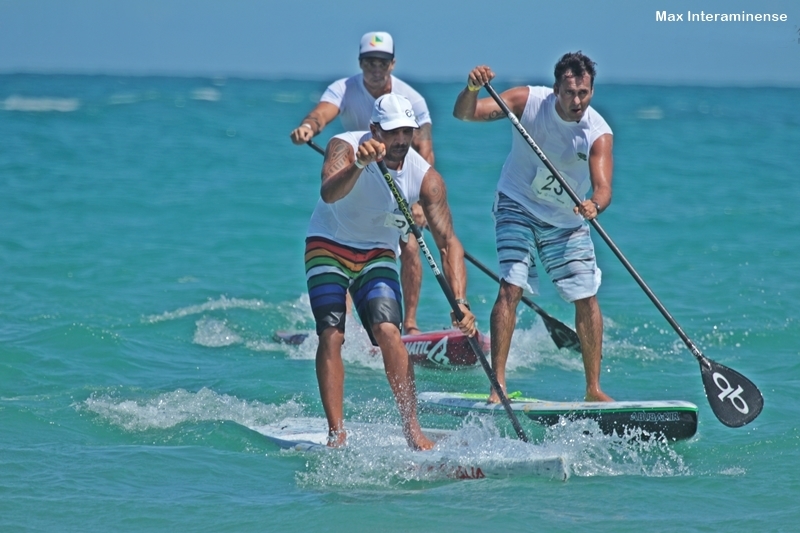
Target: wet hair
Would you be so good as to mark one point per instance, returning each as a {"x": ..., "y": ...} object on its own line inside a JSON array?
[{"x": 575, "y": 64}]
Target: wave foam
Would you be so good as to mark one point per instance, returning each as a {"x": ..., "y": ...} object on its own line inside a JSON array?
[
  {"x": 41, "y": 105},
  {"x": 214, "y": 333},
  {"x": 211, "y": 305},
  {"x": 207, "y": 94},
  {"x": 173, "y": 408}
]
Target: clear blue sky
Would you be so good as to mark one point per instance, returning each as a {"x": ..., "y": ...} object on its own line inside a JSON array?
[{"x": 435, "y": 40}]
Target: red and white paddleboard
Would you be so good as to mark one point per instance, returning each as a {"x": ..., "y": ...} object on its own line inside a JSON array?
[{"x": 444, "y": 348}]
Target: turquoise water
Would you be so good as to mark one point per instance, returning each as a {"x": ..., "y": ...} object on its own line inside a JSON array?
[{"x": 151, "y": 238}]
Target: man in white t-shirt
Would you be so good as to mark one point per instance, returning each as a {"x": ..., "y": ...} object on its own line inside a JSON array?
[
  {"x": 533, "y": 212},
  {"x": 352, "y": 100},
  {"x": 351, "y": 245}
]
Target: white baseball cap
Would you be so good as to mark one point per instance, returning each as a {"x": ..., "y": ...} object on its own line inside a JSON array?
[
  {"x": 376, "y": 44},
  {"x": 393, "y": 111}
]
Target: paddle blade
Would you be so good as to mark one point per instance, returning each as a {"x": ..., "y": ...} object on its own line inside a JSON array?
[
  {"x": 735, "y": 400},
  {"x": 562, "y": 335}
]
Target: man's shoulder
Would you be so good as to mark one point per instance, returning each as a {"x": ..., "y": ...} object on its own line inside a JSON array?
[
  {"x": 596, "y": 122},
  {"x": 353, "y": 137},
  {"x": 345, "y": 83},
  {"x": 540, "y": 92},
  {"x": 401, "y": 87},
  {"x": 355, "y": 79},
  {"x": 419, "y": 163}
]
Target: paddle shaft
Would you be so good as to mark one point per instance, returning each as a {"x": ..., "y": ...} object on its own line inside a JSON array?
[
  {"x": 451, "y": 298},
  {"x": 316, "y": 147}
]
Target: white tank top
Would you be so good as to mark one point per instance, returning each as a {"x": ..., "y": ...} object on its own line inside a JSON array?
[
  {"x": 355, "y": 103},
  {"x": 525, "y": 178},
  {"x": 368, "y": 217}
]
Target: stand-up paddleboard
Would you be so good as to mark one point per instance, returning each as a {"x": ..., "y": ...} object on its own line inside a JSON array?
[
  {"x": 308, "y": 434},
  {"x": 444, "y": 348},
  {"x": 674, "y": 419}
]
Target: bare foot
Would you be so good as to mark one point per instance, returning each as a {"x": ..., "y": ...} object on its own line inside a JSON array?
[
  {"x": 420, "y": 442},
  {"x": 416, "y": 439},
  {"x": 411, "y": 330},
  {"x": 597, "y": 396},
  {"x": 337, "y": 439},
  {"x": 494, "y": 397}
]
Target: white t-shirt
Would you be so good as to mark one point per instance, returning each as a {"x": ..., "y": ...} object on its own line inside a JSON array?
[
  {"x": 525, "y": 178},
  {"x": 368, "y": 217},
  {"x": 355, "y": 103}
]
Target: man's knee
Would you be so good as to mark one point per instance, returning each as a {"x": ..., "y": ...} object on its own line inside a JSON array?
[
  {"x": 590, "y": 302},
  {"x": 509, "y": 294},
  {"x": 384, "y": 332},
  {"x": 588, "y": 309},
  {"x": 331, "y": 337}
]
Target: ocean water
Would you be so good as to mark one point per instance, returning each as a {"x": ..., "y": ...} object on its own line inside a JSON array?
[{"x": 151, "y": 239}]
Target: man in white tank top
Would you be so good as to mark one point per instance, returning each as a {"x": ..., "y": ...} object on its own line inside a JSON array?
[
  {"x": 351, "y": 246},
  {"x": 352, "y": 99},
  {"x": 532, "y": 212}
]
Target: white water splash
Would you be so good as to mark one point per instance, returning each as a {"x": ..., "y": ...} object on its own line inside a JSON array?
[
  {"x": 222, "y": 303},
  {"x": 373, "y": 460},
  {"x": 592, "y": 453},
  {"x": 357, "y": 347},
  {"x": 180, "y": 406},
  {"x": 214, "y": 333}
]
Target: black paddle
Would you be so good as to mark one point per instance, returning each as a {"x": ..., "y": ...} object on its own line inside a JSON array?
[
  {"x": 316, "y": 147},
  {"x": 448, "y": 292},
  {"x": 562, "y": 335},
  {"x": 735, "y": 400}
]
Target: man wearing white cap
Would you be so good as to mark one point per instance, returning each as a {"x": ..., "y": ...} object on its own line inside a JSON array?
[
  {"x": 351, "y": 245},
  {"x": 352, "y": 99}
]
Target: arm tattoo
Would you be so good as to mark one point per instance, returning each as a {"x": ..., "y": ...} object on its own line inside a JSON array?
[
  {"x": 337, "y": 157},
  {"x": 311, "y": 117},
  {"x": 497, "y": 114}
]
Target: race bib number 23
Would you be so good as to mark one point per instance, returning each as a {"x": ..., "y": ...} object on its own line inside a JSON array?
[{"x": 547, "y": 188}]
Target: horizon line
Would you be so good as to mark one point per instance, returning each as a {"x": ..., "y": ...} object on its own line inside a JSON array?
[{"x": 687, "y": 82}]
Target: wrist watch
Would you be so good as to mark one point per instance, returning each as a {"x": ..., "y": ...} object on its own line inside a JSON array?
[{"x": 464, "y": 302}]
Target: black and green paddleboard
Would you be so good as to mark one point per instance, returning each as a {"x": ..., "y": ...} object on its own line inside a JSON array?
[{"x": 674, "y": 419}]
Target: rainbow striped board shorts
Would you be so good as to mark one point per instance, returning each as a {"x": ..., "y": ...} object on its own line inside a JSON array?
[{"x": 371, "y": 276}]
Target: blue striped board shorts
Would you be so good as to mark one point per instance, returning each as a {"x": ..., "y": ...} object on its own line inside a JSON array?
[
  {"x": 370, "y": 275},
  {"x": 567, "y": 254}
]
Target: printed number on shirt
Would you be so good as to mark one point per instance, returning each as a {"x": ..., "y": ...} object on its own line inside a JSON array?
[{"x": 547, "y": 188}]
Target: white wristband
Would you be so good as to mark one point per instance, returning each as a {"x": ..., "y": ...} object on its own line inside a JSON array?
[
  {"x": 359, "y": 164},
  {"x": 307, "y": 125}
]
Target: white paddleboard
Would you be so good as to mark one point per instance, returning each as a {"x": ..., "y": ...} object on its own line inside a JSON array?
[
  {"x": 308, "y": 434},
  {"x": 674, "y": 419}
]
